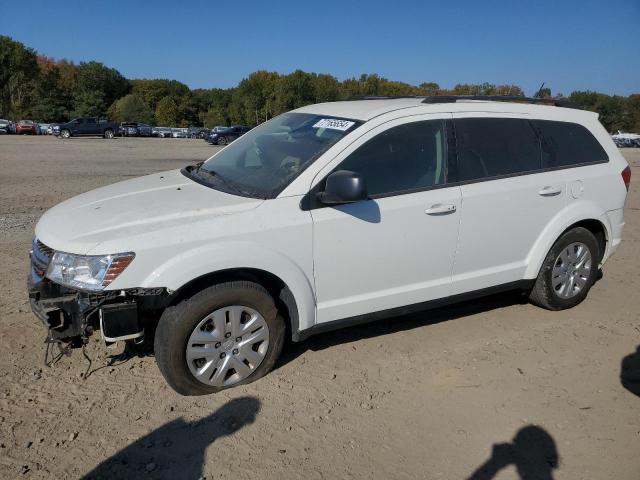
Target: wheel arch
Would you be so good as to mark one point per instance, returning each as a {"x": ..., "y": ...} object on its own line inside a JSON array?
[
  {"x": 588, "y": 216},
  {"x": 206, "y": 263},
  {"x": 277, "y": 288}
]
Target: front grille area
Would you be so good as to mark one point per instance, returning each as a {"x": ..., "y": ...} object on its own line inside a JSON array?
[
  {"x": 44, "y": 249},
  {"x": 40, "y": 256}
]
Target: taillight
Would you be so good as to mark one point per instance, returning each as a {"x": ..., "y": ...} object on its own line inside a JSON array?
[{"x": 626, "y": 176}]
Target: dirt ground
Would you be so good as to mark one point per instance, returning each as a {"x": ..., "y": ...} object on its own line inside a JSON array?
[{"x": 496, "y": 387}]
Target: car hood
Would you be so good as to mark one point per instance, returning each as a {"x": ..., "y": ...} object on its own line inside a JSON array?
[{"x": 125, "y": 209}]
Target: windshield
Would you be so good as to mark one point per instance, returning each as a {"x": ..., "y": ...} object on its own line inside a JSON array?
[{"x": 262, "y": 162}]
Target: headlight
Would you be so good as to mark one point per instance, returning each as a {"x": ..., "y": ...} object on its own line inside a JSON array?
[{"x": 87, "y": 272}]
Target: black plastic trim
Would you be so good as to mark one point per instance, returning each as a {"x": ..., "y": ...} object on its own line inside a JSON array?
[
  {"x": 405, "y": 310},
  {"x": 556, "y": 102}
]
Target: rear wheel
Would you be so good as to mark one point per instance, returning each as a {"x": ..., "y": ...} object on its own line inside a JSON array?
[
  {"x": 225, "y": 335},
  {"x": 108, "y": 134},
  {"x": 568, "y": 271}
]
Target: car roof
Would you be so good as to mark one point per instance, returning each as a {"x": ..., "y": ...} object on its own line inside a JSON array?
[
  {"x": 365, "y": 110},
  {"x": 360, "y": 109}
]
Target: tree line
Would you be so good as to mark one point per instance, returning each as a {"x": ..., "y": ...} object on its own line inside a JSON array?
[{"x": 40, "y": 88}]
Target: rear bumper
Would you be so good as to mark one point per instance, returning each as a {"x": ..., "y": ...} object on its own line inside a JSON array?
[{"x": 616, "y": 224}]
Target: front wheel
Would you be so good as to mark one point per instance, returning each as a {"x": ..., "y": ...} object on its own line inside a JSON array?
[
  {"x": 65, "y": 133},
  {"x": 222, "y": 141},
  {"x": 568, "y": 271},
  {"x": 225, "y": 335},
  {"x": 108, "y": 134}
]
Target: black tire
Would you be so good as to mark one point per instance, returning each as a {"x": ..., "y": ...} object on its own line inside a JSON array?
[
  {"x": 65, "y": 133},
  {"x": 543, "y": 294},
  {"x": 177, "y": 323},
  {"x": 108, "y": 134},
  {"x": 222, "y": 141}
]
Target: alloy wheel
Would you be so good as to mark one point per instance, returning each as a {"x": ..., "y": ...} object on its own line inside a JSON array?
[
  {"x": 227, "y": 345},
  {"x": 571, "y": 270}
]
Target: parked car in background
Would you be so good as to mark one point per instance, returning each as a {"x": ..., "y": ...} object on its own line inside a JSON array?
[
  {"x": 179, "y": 132},
  {"x": 197, "y": 132},
  {"x": 43, "y": 129},
  {"x": 214, "y": 130},
  {"x": 129, "y": 129},
  {"x": 228, "y": 135},
  {"x": 144, "y": 130},
  {"x": 134, "y": 129},
  {"x": 625, "y": 139},
  {"x": 26, "y": 127},
  {"x": 161, "y": 132},
  {"x": 86, "y": 126},
  {"x": 51, "y": 128},
  {"x": 6, "y": 126}
]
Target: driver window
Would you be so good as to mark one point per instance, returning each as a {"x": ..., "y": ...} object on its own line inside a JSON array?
[{"x": 403, "y": 158}]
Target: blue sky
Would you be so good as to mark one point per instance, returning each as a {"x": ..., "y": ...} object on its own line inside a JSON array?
[{"x": 570, "y": 45}]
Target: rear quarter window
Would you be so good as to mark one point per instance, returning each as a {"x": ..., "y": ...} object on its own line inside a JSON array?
[{"x": 565, "y": 144}]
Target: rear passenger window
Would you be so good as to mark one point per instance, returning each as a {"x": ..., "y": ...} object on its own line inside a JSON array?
[
  {"x": 490, "y": 147},
  {"x": 407, "y": 157},
  {"x": 565, "y": 144}
]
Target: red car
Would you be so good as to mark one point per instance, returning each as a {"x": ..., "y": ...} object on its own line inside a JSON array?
[{"x": 26, "y": 127}]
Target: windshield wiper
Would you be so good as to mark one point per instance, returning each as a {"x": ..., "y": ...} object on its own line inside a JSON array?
[{"x": 213, "y": 173}]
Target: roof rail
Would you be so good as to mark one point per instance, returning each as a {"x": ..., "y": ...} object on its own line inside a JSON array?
[
  {"x": 382, "y": 97},
  {"x": 557, "y": 102}
]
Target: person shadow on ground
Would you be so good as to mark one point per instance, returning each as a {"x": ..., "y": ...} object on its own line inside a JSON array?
[
  {"x": 630, "y": 372},
  {"x": 177, "y": 449},
  {"x": 533, "y": 453}
]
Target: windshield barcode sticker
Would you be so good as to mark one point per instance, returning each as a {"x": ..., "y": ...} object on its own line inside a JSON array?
[{"x": 334, "y": 124}]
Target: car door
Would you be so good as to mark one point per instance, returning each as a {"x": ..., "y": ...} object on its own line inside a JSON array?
[
  {"x": 77, "y": 126},
  {"x": 396, "y": 248},
  {"x": 508, "y": 198},
  {"x": 90, "y": 126}
]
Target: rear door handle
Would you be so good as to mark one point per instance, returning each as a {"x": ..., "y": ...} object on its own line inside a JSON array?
[
  {"x": 550, "y": 191},
  {"x": 440, "y": 209}
]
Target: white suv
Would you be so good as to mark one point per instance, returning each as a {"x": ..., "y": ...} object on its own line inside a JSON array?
[{"x": 331, "y": 215}]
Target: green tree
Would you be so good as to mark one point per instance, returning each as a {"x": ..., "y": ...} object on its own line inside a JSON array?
[
  {"x": 97, "y": 87},
  {"x": 152, "y": 91},
  {"x": 293, "y": 91},
  {"x": 131, "y": 108},
  {"x": 167, "y": 113},
  {"x": 18, "y": 73},
  {"x": 215, "y": 117},
  {"x": 429, "y": 88},
  {"x": 52, "y": 103},
  {"x": 543, "y": 93},
  {"x": 188, "y": 111}
]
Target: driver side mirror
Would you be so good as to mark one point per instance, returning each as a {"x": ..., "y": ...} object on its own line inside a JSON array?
[{"x": 343, "y": 186}]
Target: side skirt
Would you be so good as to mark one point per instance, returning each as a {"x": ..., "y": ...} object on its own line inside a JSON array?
[{"x": 302, "y": 335}]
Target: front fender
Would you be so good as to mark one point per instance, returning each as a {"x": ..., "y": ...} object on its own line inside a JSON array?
[
  {"x": 205, "y": 259},
  {"x": 568, "y": 216}
]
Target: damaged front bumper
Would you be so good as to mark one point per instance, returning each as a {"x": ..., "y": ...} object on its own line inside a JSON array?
[{"x": 72, "y": 316}]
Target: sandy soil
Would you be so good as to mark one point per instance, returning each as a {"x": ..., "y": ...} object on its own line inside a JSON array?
[{"x": 494, "y": 387}]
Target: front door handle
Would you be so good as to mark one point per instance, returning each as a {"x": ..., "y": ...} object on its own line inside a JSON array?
[
  {"x": 550, "y": 191},
  {"x": 440, "y": 209}
]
